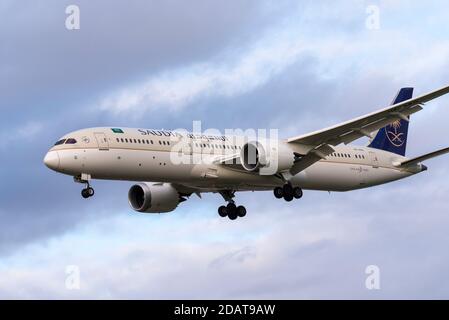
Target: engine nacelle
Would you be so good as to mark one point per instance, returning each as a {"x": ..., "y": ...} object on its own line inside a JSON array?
[
  {"x": 154, "y": 198},
  {"x": 267, "y": 157}
]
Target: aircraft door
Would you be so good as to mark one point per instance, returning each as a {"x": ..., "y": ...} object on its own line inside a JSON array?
[{"x": 102, "y": 141}]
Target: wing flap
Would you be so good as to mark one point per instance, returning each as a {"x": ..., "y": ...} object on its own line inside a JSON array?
[
  {"x": 313, "y": 156},
  {"x": 358, "y": 133}
]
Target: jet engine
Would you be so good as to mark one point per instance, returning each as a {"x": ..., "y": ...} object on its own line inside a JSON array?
[
  {"x": 154, "y": 197},
  {"x": 267, "y": 157}
]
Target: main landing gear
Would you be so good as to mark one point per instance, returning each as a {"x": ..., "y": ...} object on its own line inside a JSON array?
[
  {"x": 88, "y": 191},
  {"x": 288, "y": 192},
  {"x": 231, "y": 210}
]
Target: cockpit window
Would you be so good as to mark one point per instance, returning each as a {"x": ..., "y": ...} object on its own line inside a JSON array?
[
  {"x": 70, "y": 141},
  {"x": 59, "y": 142}
]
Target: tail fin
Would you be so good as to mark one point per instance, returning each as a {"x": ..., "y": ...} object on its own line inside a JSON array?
[{"x": 393, "y": 138}]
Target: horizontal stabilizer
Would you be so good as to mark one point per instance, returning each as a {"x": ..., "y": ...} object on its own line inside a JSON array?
[{"x": 420, "y": 159}]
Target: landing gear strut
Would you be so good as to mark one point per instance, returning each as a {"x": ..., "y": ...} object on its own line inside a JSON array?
[
  {"x": 231, "y": 210},
  {"x": 288, "y": 192},
  {"x": 88, "y": 191}
]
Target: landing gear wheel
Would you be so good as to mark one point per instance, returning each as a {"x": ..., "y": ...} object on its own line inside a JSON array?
[
  {"x": 278, "y": 192},
  {"x": 85, "y": 193},
  {"x": 232, "y": 211},
  {"x": 222, "y": 211},
  {"x": 287, "y": 189},
  {"x": 297, "y": 193},
  {"x": 241, "y": 211}
]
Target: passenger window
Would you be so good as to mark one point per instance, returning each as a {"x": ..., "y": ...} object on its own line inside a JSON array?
[
  {"x": 70, "y": 141},
  {"x": 126, "y": 140},
  {"x": 135, "y": 141},
  {"x": 59, "y": 142}
]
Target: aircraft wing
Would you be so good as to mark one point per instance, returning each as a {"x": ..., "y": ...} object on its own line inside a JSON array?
[
  {"x": 354, "y": 129},
  {"x": 318, "y": 144},
  {"x": 422, "y": 158},
  {"x": 231, "y": 161}
]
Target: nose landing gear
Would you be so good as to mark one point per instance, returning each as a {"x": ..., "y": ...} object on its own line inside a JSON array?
[
  {"x": 88, "y": 191},
  {"x": 288, "y": 192}
]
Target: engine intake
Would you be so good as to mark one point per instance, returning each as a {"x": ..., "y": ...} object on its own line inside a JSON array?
[
  {"x": 154, "y": 198},
  {"x": 253, "y": 156},
  {"x": 267, "y": 157}
]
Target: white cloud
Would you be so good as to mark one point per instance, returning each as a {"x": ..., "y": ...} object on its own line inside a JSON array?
[
  {"x": 319, "y": 34},
  {"x": 232, "y": 73},
  {"x": 25, "y": 132},
  {"x": 316, "y": 248}
]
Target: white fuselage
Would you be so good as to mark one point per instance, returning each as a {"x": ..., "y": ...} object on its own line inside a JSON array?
[{"x": 148, "y": 155}]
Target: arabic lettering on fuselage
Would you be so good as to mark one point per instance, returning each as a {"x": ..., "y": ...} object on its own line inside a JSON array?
[{"x": 163, "y": 133}]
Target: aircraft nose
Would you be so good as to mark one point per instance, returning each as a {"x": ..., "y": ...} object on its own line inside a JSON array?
[{"x": 51, "y": 160}]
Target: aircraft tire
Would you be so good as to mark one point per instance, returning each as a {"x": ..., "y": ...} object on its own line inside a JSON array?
[
  {"x": 278, "y": 193},
  {"x": 222, "y": 211},
  {"x": 232, "y": 211},
  {"x": 241, "y": 211},
  {"x": 85, "y": 193},
  {"x": 297, "y": 193}
]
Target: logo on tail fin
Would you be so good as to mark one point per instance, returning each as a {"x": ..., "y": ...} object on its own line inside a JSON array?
[
  {"x": 393, "y": 137},
  {"x": 396, "y": 137}
]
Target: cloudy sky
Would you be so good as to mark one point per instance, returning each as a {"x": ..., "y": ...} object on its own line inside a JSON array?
[{"x": 295, "y": 66}]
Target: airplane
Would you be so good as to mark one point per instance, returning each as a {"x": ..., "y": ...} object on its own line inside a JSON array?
[{"x": 322, "y": 160}]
